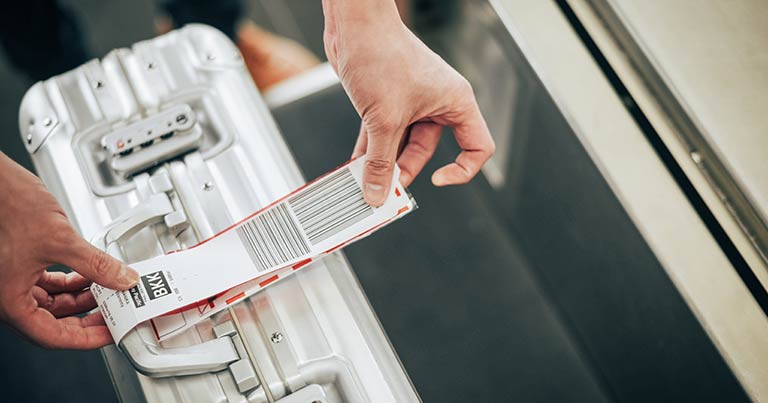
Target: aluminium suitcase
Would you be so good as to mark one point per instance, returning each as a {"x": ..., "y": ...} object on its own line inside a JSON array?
[{"x": 156, "y": 148}]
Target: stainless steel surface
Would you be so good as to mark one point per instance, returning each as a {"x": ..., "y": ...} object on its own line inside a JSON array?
[{"x": 706, "y": 62}]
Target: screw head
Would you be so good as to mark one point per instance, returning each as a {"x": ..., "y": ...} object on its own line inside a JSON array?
[
  {"x": 47, "y": 121},
  {"x": 696, "y": 157},
  {"x": 181, "y": 119},
  {"x": 99, "y": 84},
  {"x": 208, "y": 186},
  {"x": 277, "y": 337},
  {"x": 150, "y": 66},
  {"x": 210, "y": 57},
  {"x": 29, "y": 138}
]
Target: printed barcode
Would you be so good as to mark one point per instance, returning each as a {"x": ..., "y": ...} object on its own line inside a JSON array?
[
  {"x": 272, "y": 238},
  {"x": 330, "y": 206}
]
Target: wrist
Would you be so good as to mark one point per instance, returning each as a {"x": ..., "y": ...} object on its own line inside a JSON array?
[{"x": 350, "y": 15}]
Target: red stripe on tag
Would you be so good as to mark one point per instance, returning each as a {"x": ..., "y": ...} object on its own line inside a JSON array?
[
  {"x": 235, "y": 298},
  {"x": 402, "y": 210},
  {"x": 334, "y": 248},
  {"x": 302, "y": 263},
  {"x": 268, "y": 281},
  {"x": 397, "y": 192}
]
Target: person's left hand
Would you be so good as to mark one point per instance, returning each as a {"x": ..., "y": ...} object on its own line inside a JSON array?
[{"x": 34, "y": 235}]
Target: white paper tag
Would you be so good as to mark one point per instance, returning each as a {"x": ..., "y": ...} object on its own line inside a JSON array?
[{"x": 181, "y": 288}]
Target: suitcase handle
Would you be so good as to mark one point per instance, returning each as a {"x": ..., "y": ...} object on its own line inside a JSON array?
[
  {"x": 151, "y": 359},
  {"x": 152, "y": 211},
  {"x": 158, "y": 362}
]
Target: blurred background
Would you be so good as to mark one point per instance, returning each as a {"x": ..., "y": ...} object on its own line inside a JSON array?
[{"x": 596, "y": 259}]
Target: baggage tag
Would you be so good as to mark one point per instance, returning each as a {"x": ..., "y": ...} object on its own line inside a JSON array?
[{"x": 178, "y": 290}]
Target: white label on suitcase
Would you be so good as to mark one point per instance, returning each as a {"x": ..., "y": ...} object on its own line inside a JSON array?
[{"x": 187, "y": 286}]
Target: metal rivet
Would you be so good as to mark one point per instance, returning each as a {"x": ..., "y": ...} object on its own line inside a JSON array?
[
  {"x": 47, "y": 121},
  {"x": 29, "y": 138},
  {"x": 208, "y": 186},
  {"x": 181, "y": 119},
  {"x": 696, "y": 157},
  {"x": 99, "y": 84},
  {"x": 277, "y": 337},
  {"x": 150, "y": 66}
]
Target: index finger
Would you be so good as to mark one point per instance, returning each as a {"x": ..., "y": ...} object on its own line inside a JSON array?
[{"x": 477, "y": 146}]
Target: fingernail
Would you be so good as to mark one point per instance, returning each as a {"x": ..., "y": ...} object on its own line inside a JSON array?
[
  {"x": 127, "y": 276},
  {"x": 376, "y": 194}
]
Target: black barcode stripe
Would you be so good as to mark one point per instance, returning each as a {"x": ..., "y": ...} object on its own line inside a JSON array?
[
  {"x": 310, "y": 216},
  {"x": 330, "y": 206},
  {"x": 350, "y": 219},
  {"x": 319, "y": 187},
  {"x": 249, "y": 240},
  {"x": 272, "y": 238},
  {"x": 341, "y": 210}
]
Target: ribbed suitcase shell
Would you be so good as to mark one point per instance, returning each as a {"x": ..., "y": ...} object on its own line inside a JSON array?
[{"x": 312, "y": 336}]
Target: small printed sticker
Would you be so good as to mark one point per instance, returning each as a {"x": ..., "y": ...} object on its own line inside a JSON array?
[
  {"x": 138, "y": 300},
  {"x": 156, "y": 285}
]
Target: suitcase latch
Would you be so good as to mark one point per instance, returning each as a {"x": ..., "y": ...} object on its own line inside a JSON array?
[
  {"x": 242, "y": 371},
  {"x": 153, "y": 140}
]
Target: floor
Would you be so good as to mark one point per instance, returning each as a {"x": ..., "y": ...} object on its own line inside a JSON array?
[{"x": 461, "y": 307}]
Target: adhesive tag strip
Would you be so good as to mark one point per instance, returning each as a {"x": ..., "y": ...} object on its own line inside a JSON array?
[{"x": 181, "y": 288}]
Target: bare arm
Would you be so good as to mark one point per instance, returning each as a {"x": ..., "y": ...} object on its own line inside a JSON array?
[{"x": 399, "y": 86}]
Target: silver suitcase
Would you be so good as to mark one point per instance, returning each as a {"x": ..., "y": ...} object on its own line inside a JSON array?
[{"x": 156, "y": 148}]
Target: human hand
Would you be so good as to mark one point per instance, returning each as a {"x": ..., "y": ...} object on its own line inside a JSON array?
[
  {"x": 34, "y": 235},
  {"x": 405, "y": 95}
]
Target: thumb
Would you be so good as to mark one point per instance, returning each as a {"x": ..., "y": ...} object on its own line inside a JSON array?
[
  {"x": 98, "y": 266},
  {"x": 383, "y": 140}
]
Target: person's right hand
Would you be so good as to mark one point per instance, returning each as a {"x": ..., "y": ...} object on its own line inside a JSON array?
[
  {"x": 34, "y": 235},
  {"x": 405, "y": 94}
]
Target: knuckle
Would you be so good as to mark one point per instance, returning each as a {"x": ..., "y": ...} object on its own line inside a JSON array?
[
  {"x": 100, "y": 263},
  {"x": 381, "y": 126},
  {"x": 421, "y": 149},
  {"x": 463, "y": 180},
  {"x": 378, "y": 166},
  {"x": 61, "y": 233},
  {"x": 465, "y": 87}
]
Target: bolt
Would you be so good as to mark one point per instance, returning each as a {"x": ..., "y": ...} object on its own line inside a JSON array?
[
  {"x": 29, "y": 138},
  {"x": 696, "y": 157},
  {"x": 47, "y": 121},
  {"x": 208, "y": 186},
  {"x": 277, "y": 337},
  {"x": 181, "y": 119}
]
